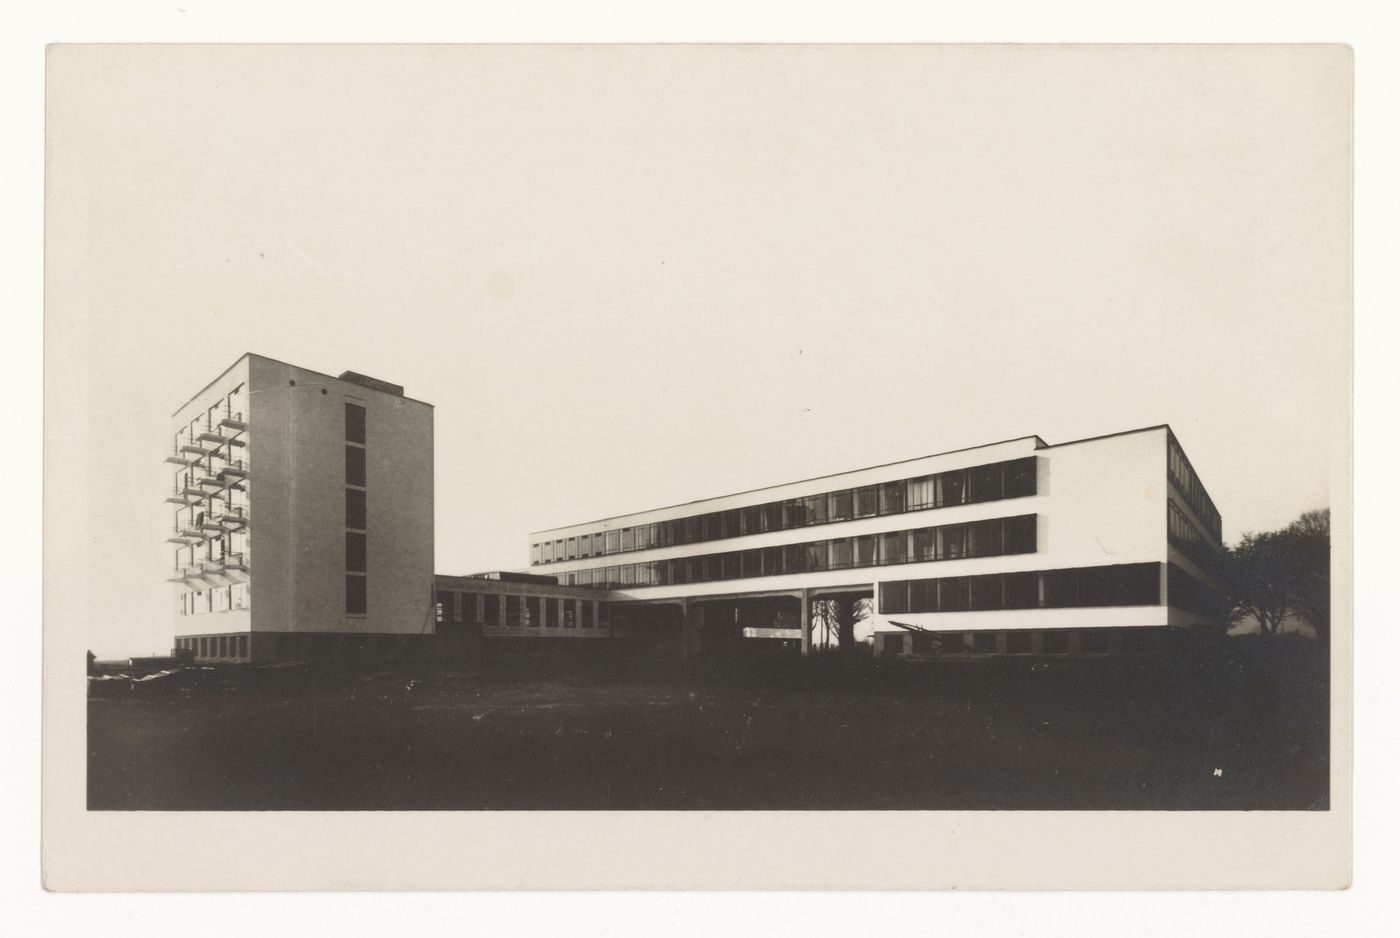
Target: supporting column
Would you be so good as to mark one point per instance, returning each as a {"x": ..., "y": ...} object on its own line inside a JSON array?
[{"x": 804, "y": 618}]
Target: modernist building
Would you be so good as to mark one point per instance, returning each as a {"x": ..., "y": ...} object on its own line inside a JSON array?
[
  {"x": 301, "y": 515},
  {"x": 1097, "y": 545}
]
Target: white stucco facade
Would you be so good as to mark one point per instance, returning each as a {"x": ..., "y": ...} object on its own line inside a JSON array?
[
  {"x": 1098, "y": 509},
  {"x": 283, "y": 430}
]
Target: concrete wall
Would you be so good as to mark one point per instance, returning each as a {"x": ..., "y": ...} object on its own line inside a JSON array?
[
  {"x": 297, "y": 443},
  {"x": 1098, "y": 502},
  {"x": 829, "y": 579}
]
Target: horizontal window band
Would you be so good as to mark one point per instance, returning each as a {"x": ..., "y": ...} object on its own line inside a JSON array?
[{"x": 975, "y": 485}]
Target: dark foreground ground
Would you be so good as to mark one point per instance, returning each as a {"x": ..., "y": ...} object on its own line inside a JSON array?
[{"x": 1241, "y": 729}]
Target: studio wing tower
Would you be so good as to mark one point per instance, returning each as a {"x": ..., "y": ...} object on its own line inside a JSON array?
[{"x": 302, "y": 516}]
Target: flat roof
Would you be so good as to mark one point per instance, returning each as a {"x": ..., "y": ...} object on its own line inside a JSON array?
[
  {"x": 776, "y": 485},
  {"x": 279, "y": 361},
  {"x": 1040, "y": 444}
]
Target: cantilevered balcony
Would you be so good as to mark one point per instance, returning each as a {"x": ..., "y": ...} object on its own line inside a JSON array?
[
  {"x": 187, "y": 574},
  {"x": 211, "y": 437},
  {"x": 237, "y": 562},
  {"x": 178, "y": 460},
  {"x": 235, "y": 470},
  {"x": 234, "y": 422},
  {"x": 199, "y": 451}
]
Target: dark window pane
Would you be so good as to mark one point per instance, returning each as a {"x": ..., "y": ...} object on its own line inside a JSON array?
[
  {"x": 984, "y": 538},
  {"x": 354, "y": 423},
  {"x": 923, "y": 596},
  {"x": 1019, "y": 534},
  {"x": 729, "y": 523},
  {"x": 1021, "y": 590},
  {"x": 491, "y": 609},
  {"x": 356, "y": 595},
  {"x": 922, "y": 493},
  {"x": 985, "y": 483},
  {"x": 984, "y": 643},
  {"x": 952, "y": 488},
  {"x": 794, "y": 558},
  {"x": 840, "y": 553},
  {"x": 953, "y": 594},
  {"x": 1020, "y": 477},
  {"x": 894, "y": 597},
  {"x": 867, "y": 501},
  {"x": 925, "y": 544},
  {"x": 532, "y": 611},
  {"x": 1094, "y": 586},
  {"x": 865, "y": 551},
  {"x": 1061, "y": 589},
  {"x": 894, "y": 547},
  {"x": 354, "y": 465},
  {"x": 891, "y": 498},
  {"x": 1137, "y": 584},
  {"x": 794, "y": 513},
  {"x": 815, "y": 508},
  {"x": 751, "y": 519},
  {"x": 839, "y": 506},
  {"x": 355, "y": 511},
  {"x": 1055, "y": 642},
  {"x": 952, "y": 542},
  {"x": 986, "y": 591},
  {"x": 1018, "y": 642},
  {"x": 355, "y": 551},
  {"x": 817, "y": 554}
]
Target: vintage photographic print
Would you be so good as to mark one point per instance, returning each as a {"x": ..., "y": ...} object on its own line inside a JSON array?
[{"x": 516, "y": 446}]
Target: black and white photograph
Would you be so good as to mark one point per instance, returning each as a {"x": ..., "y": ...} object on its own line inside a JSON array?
[{"x": 702, "y": 434}]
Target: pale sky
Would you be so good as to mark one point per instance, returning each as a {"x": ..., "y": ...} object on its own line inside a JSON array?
[{"x": 629, "y": 277}]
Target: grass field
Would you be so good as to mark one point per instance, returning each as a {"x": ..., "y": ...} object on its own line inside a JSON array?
[{"x": 1243, "y": 728}]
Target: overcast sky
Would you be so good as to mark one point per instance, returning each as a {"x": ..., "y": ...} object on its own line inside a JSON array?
[{"x": 638, "y": 276}]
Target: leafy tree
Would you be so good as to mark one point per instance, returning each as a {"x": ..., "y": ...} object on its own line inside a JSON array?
[
  {"x": 1271, "y": 574},
  {"x": 1310, "y": 539}
]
